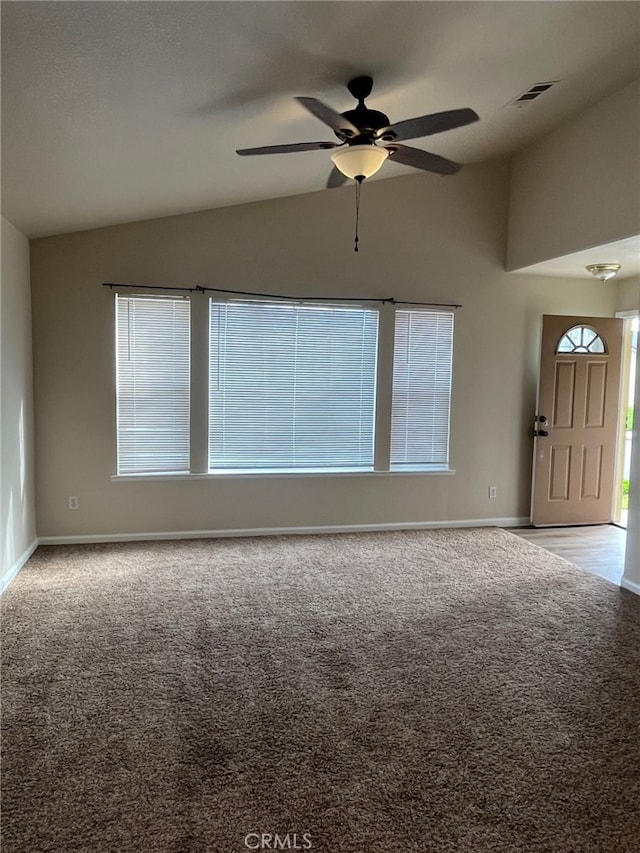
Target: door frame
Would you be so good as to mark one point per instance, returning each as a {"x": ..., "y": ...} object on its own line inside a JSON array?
[
  {"x": 625, "y": 376},
  {"x": 616, "y": 462}
]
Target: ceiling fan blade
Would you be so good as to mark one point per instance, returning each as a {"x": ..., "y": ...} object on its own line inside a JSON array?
[
  {"x": 428, "y": 125},
  {"x": 336, "y": 179},
  {"x": 287, "y": 149},
  {"x": 422, "y": 159},
  {"x": 339, "y": 123}
]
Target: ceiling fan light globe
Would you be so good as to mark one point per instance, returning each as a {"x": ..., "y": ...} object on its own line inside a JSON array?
[{"x": 359, "y": 160}]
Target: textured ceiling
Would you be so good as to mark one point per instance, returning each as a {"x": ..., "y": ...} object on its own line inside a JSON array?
[{"x": 115, "y": 111}]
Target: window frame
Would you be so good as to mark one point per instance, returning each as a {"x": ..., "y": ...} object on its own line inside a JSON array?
[
  {"x": 199, "y": 397},
  {"x": 126, "y": 412},
  {"x": 432, "y": 383},
  {"x": 292, "y": 419},
  {"x": 582, "y": 348}
]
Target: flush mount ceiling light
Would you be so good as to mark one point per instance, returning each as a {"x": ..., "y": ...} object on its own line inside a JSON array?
[{"x": 603, "y": 271}]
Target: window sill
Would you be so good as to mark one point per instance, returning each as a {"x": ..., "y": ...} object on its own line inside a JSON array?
[{"x": 283, "y": 475}]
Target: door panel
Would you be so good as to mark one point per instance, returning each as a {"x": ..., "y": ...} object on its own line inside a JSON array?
[
  {"x": 564, "y": 395},
  {"x": 560, "y": 474},
  {"x": 591, "y": 474},
  {"x": 596, "y": 381},
  {"x": 578, "y": 393}
]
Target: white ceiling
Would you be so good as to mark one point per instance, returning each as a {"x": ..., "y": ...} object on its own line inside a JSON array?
[
  {"x": 623, "y": 252},
  {"x": 119, "y": 111}
]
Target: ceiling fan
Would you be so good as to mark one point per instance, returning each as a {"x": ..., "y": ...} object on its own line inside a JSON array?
[{"x": 367, "y": 137}]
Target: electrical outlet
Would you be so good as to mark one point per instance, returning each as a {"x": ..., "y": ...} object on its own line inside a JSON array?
[
  {"x": 74, "y": 503},
  {"x": 493, "y": 492}
]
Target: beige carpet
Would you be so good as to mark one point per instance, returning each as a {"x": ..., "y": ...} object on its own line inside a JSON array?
[{"x": 449, "y": 691}]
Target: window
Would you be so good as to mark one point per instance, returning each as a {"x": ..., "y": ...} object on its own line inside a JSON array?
[
  {"x": 291, "y": 387},
  {"x": 422, "y": 364},
  {"x": 581, "y": 339},
  {"x": 280, "y": 387},
  {"x": 152, "y": 384}
]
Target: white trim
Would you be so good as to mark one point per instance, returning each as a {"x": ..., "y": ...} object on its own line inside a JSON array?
[
  {"x": 13, "y": 570},
  {"x": 632, "y": 586},
  {"x": 574, "y": 524},
  {"x": 625, "y": 375},
  {"x": 283, "y": 475},
  {"x": 279, "y": 531}
]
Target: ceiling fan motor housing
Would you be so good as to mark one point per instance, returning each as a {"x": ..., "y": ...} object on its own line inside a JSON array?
[{"x": 368, "y": 123}]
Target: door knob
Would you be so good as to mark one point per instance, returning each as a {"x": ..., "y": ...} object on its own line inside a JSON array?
[{"x": 541, "y": 433}]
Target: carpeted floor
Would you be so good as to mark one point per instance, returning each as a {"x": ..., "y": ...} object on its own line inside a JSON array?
[{"x": 446, "y": 691}]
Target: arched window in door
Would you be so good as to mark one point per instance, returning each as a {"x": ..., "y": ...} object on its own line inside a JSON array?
[{"x": 581, "y": 339}]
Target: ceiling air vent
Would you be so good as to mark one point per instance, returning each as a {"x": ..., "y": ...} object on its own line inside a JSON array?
[{"x": 532, "y": 93}]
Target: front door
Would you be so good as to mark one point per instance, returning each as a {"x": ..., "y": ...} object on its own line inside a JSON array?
[{"x": 576, "y": 421}]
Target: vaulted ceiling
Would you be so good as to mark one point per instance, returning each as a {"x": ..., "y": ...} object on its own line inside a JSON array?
[{"x": 115, "y": 111}]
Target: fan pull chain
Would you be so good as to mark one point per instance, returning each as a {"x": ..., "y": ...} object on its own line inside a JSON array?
[{"x": 359, "y": 181}]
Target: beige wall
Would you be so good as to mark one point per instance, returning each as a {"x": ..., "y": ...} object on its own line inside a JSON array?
[
  {"x": 422, "y": 238},
  {"x": 577, "y": 187},
  {"x": 628, "y": 294},
  {"x": 17, "y": 502}
]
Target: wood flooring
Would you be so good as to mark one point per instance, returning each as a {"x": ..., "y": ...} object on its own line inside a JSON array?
[{"x": 598, "y": 549}]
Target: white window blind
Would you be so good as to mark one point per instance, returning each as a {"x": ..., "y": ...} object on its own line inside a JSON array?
[
  {"x": 292, "y": 387},
  {"x": 152, "y": 384},
  {"x": 422, "y": 365}
]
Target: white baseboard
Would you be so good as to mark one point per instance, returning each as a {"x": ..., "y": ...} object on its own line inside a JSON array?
[
  {"x": 13, "y": 570},
  {"x": 278, "y": 531},
  {"x": 632, "y": 586}
]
